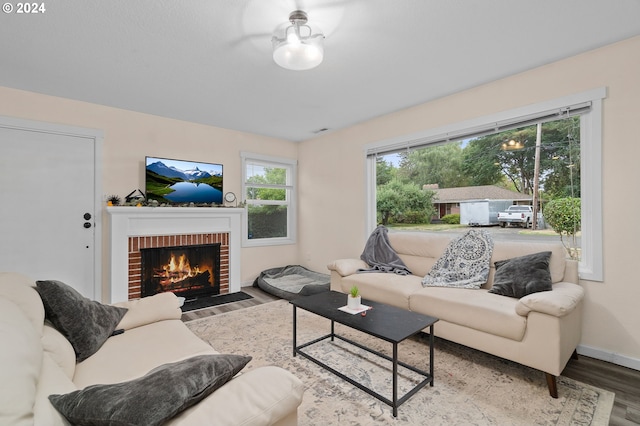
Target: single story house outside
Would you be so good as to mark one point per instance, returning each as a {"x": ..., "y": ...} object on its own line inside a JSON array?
[{"x": 447, "y": 200}]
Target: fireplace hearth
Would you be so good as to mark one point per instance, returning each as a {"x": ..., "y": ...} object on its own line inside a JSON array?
[{"x": 189, "y": 271}]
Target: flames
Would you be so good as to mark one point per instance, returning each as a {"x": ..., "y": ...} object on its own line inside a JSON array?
[{"x": 176, "y": 270}]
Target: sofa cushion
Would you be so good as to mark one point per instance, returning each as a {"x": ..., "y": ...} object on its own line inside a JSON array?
[
  {"x": 136, "y": 351},
  {"x": 258, "y": 396},
  {"x": 59, "y": 349},
  {"x": 87, "y": 324},
  {"x": 19, "y": 289},
  {"x": 475, "y": 309},
  {"x": 522, "y": 275},
  {"x": 392, "y": 289},
  {"x": 153, "y": 398},
  {"x": 52, "y": 380},
  {"x": 419, "y": 251},
  {"x": 20, "y": 365}
]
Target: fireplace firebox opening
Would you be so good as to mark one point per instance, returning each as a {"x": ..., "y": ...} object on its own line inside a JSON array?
[{"x": 189, "y": 271}]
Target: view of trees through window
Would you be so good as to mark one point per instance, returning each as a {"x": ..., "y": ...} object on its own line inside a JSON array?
[
  {"x": 266, "y": 197},
  {"x": 410, "y": 184}
]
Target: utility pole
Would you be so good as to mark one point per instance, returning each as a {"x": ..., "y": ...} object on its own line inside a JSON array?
[{"x": 536, "y": 179}]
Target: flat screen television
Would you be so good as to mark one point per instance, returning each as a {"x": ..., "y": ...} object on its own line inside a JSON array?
[{"x": 179, "y": 181}]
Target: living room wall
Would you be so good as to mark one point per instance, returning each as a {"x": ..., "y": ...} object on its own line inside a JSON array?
[
  {"x": 129, "y": 136},
  {"x": 332, "y": 167},
  {"x": 331, "y": 171}
]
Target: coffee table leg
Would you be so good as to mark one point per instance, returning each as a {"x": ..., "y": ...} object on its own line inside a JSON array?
[
  {"x": 332, "y": 330},
  {"x": 431, "y": 354},
  {"x": 395, "y": 380},
  {"x": 294, "y": 330}
]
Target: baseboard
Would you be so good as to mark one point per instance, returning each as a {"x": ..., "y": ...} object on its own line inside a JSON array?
[{"x": 611, "y": 357}]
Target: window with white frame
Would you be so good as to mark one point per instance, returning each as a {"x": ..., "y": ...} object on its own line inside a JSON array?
[
  {"x": 269, "y": 192},
  {"x": 587, "y": 105}
]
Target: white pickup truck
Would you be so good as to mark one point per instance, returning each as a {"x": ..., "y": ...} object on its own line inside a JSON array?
[{"x": 517, "y": 215}]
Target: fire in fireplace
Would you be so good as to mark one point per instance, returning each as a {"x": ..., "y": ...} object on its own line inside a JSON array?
[{"x": 190, "y": 271}]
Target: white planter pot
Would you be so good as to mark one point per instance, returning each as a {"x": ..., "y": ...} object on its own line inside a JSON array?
[{"x": 353, "y": 302}]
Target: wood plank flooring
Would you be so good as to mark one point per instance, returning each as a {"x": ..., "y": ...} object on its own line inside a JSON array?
[
  {"x": 259, "y": 297},
  {"x": 624, "y": 382}
]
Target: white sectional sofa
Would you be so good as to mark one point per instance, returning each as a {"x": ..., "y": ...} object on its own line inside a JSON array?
[
  {"x": 540, "y": 330},
  {"x": 37, "y": 361}
]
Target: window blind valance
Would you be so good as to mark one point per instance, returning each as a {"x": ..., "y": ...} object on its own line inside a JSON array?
[{"x": 488, "y": 128}]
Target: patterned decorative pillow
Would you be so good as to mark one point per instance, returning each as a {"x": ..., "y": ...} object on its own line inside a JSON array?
[
  {"x": 85, "y": 323},
  {"x": 153, "y": 398},
  {"x": 465, "y": 262},
  {"x": 522, "y": 275}
]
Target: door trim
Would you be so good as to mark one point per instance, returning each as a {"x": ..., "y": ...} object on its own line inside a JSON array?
[{"x": 98, "y": 137}]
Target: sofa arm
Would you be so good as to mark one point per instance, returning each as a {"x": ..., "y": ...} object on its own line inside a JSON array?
[
  {"x": 558, "y": 302},
  {"x": 261, "y": 396},
  {"x": 159, "y": 307},
  {"x": 346, "y": 267},
  {"x": 571, "y": 271}
]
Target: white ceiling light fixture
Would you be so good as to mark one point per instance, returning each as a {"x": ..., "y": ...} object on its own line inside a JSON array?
[{"x": 297, "y": 45}]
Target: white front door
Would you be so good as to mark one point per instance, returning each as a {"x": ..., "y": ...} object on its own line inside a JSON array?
[{"x": 47, "y": 203}]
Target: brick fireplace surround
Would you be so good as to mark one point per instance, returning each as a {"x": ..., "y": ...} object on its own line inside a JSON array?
[
  {"x": 133, "y": 228},
  {"x": 138, "y": 243}
]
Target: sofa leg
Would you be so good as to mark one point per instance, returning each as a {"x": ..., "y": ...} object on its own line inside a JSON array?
[{"x": 551, "y": 383}]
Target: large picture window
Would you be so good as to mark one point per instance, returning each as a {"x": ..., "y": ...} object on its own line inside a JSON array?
[
  {"x": 268, "y": 191},
  {"x": 440, "y": 177}
]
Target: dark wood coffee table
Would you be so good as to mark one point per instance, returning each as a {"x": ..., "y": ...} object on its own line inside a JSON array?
[{"x": 385, "y": 322}]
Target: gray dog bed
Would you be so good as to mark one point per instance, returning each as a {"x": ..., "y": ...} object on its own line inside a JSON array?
[{"x": 292, "y": 281}]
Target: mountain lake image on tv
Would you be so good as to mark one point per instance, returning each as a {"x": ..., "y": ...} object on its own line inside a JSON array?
[{"x": 179, "y": 181}]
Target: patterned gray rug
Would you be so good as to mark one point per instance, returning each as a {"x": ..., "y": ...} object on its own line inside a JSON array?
[{"x": 471, "y": 387}]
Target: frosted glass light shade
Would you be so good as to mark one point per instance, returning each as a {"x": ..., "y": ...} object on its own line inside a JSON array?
[
  {"x": 298, "y": 45},
  {"x": 299, "y": 56}
]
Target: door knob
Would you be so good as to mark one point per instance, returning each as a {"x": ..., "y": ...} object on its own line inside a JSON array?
[{"x": 87, "y": 225}]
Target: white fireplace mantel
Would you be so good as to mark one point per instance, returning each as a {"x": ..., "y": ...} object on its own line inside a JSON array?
[{"x": 128, "y": 222}]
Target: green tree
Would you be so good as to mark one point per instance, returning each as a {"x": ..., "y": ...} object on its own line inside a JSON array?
[
  {"x": 563, "y": 214},
  {"x": 440, "y": 164},
  {"x": 488, "y": 160},
  {"x": 271, "y": 176},
  {"x": 389, "y": 203},
  {"x": 265, "y": 220},
  {"x": 479, "y": 162},
  {"x": 384, "y": 171},
  {"x": 398, "y": 202},
  {"x": 517, "y": 165},
  {"x": 563, "y": 169}
]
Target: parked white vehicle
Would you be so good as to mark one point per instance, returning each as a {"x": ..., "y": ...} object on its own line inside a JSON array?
[
  {"x": 482, "y": 212},
  {"x": 517, "y": 215}
]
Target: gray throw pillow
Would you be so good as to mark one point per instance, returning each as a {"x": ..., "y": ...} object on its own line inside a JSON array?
[
  {"x": 522, "y": 275},
  {"x": 153, "y": 398},
  {"x": 85, "y": 323}
]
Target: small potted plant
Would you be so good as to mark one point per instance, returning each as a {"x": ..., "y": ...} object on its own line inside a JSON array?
[
  {"x": 354, "y": 298},
  {"x": 113, "y": 200}
]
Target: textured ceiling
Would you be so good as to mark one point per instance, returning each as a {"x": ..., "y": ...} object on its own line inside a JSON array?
[{"x": 209, "y": 61}]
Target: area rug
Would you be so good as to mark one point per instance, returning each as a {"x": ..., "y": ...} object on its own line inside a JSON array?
[{"x": 470, "y": 388}]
